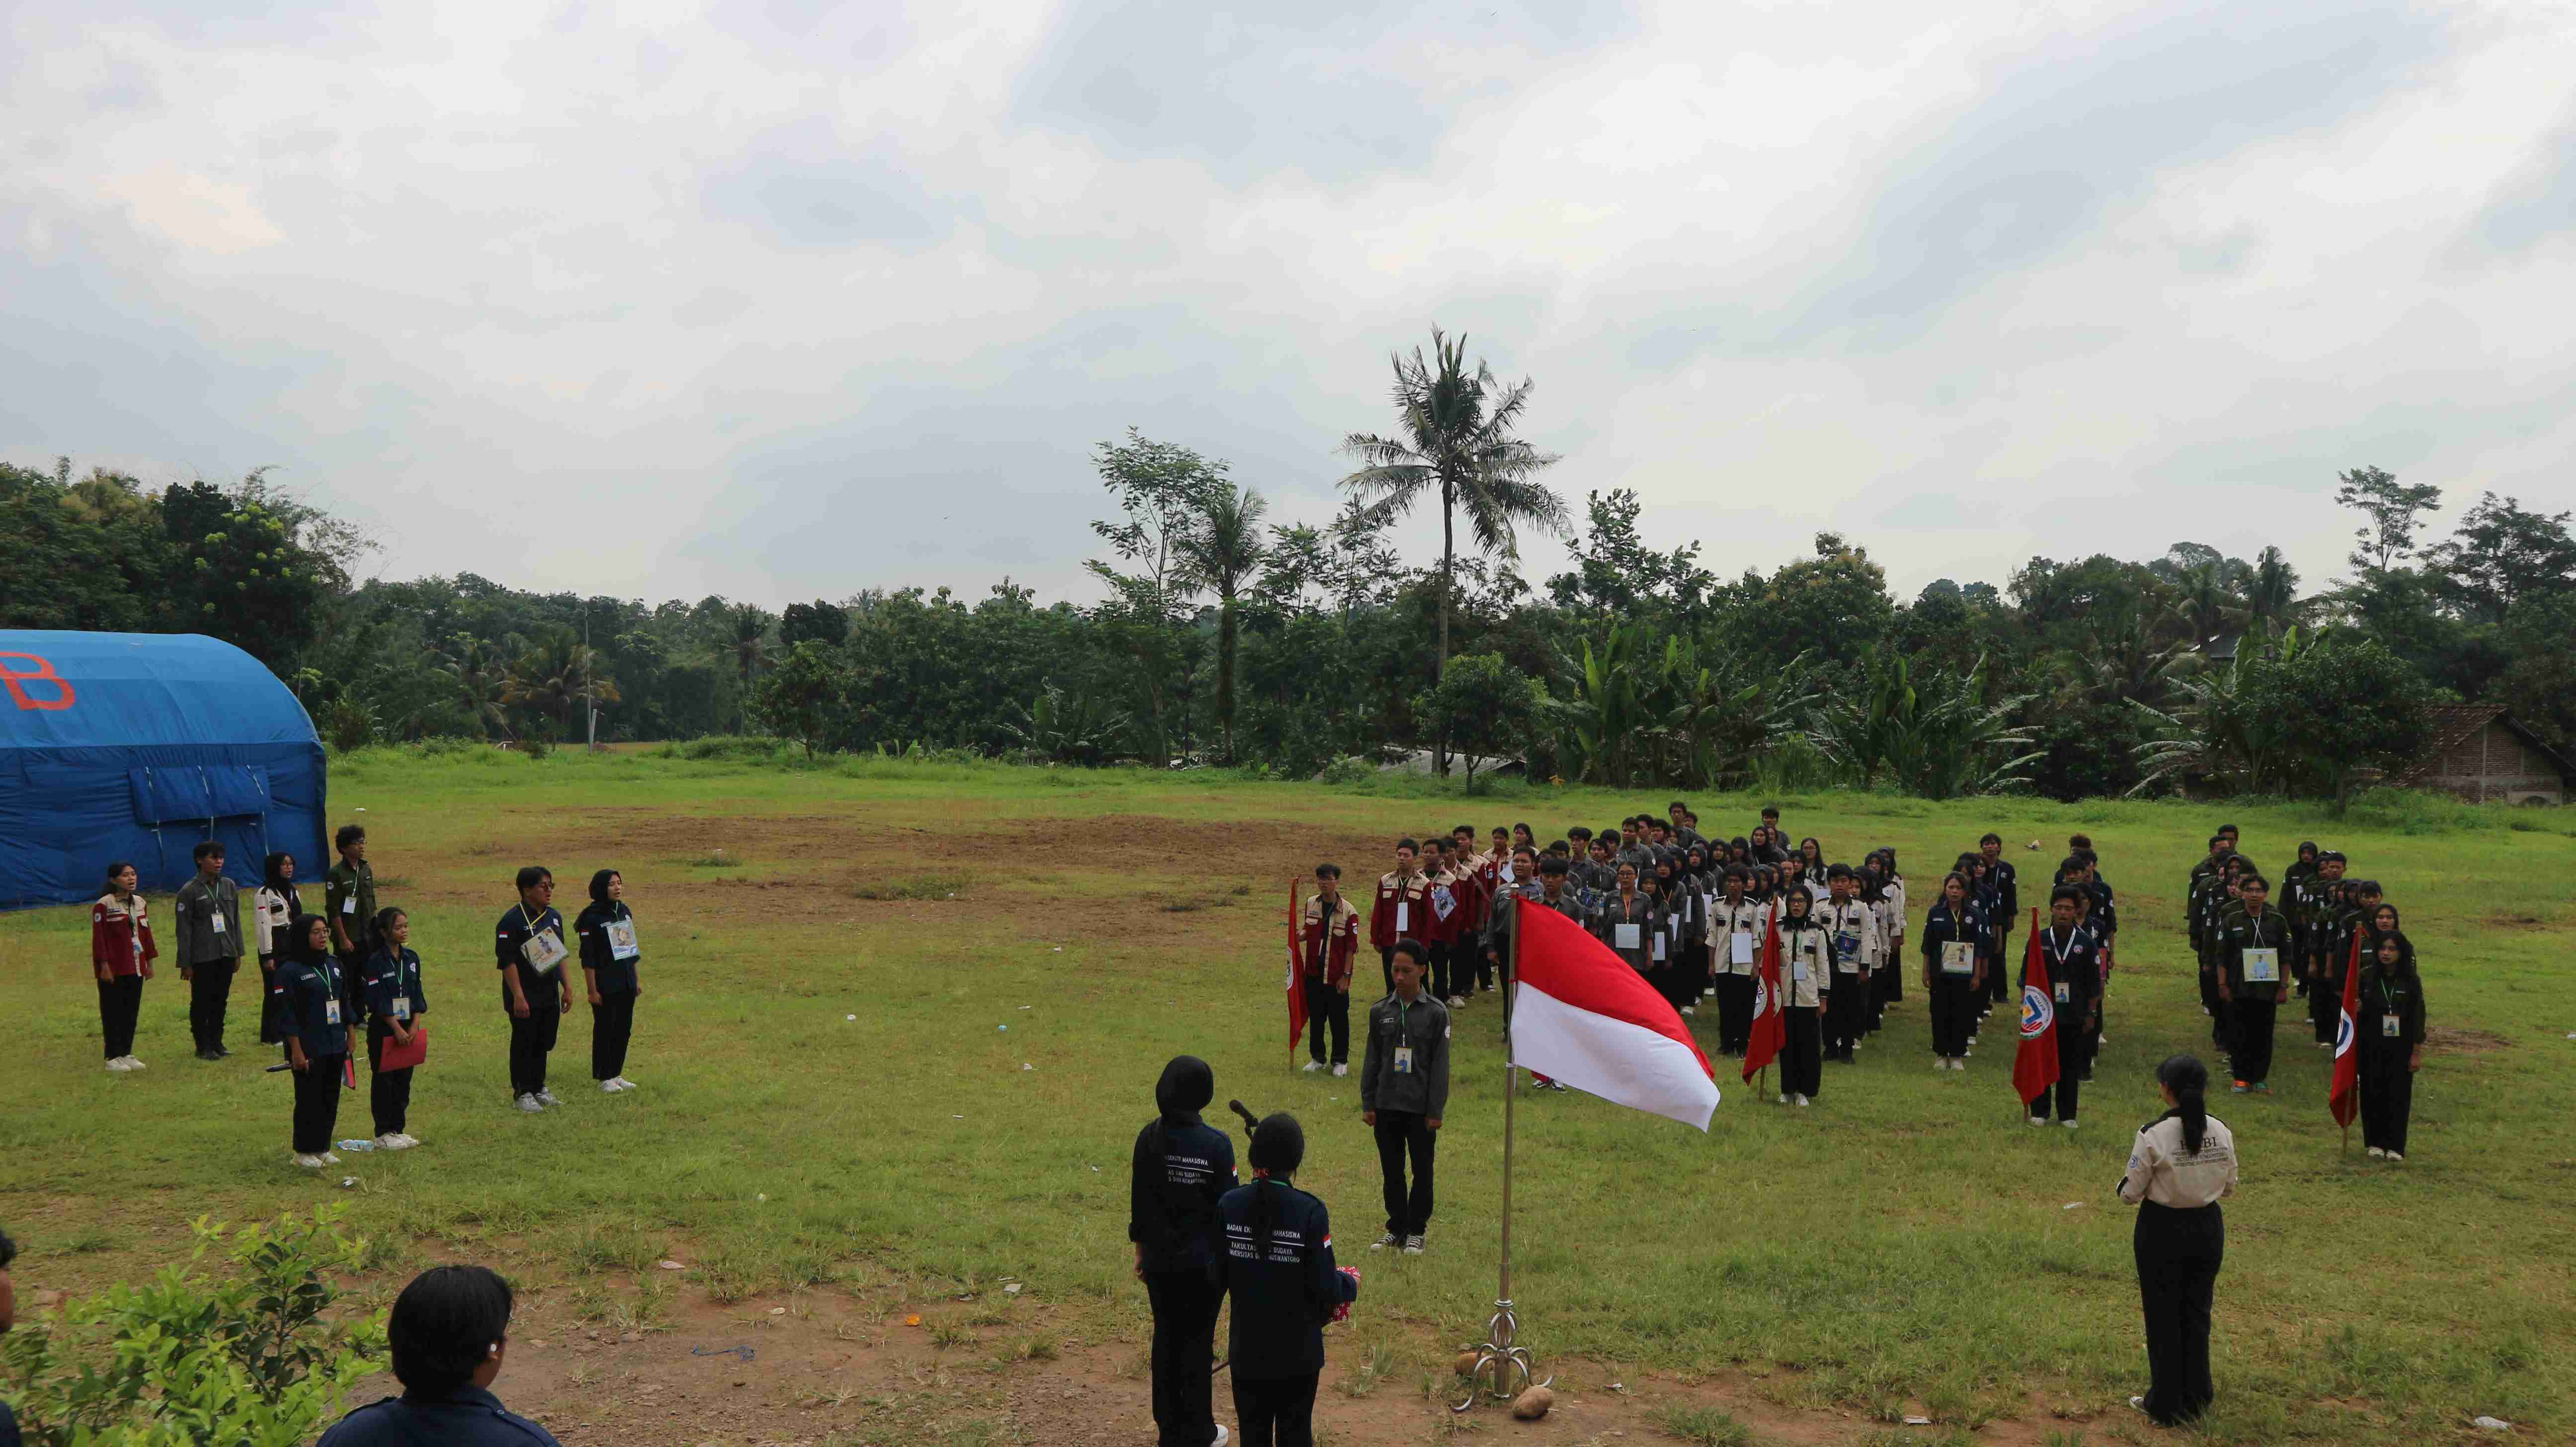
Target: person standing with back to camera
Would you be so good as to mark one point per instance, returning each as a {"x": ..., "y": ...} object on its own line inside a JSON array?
[
  {"x": 1276, "y": 1259},
  {"x": 2183, "y": 1164},
  {"x": 1181, "y": 1168}
]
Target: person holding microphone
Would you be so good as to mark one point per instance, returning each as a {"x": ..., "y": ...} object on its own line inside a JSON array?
[{"x": 2182, "y": 1165}]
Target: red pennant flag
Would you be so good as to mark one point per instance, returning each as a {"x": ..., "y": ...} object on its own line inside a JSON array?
[
  {"x": 1770, "y": 1026},
  {"x": 1297, "y": 966},
  {"x": 1580, "y": 1015},
  {"x": 2345, "y": 1098},
  {"x": 2035, "y": 1060}
]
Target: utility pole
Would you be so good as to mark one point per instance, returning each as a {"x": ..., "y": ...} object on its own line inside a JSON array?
[{"x": 589, "y": 711}]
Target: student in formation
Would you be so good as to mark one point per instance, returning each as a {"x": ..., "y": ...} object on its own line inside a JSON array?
[
  {"x": 1855, "y": 936},
  {"x": 1277, "y": 1263},
  {"x": 2005, "y": 882},
  {"x": 1552, "y": 891},
  {"x": 276, "y": 902},
  {"x": 2254, "y": 951},
  {"x": 1954, "y": 964},
  {"x": 1445, "y": 907},
  {"x": 2181, "y": 1166},
  {"x": 2316, "y": 910},
  {"x": 1180, "y": 1169},
  {"x": 1892, "y": 976},
  {"x": 1701, "y": 882},
  {"x": 1626, "y": 922},
  {"x": 1398, "y": 911},
  {"x": 1806, "y": 979},
  {"x": 2073, "y": 958},
  {"x": 121, "y": 952},
  {"x": 1404, "y": 1089},
  {"x": 2391, "y": 1043},
  {"x": 1736, "y": 924},
  {"x": 449, "y": 1332},
  {"x": 349, "y": 894},
  {"x": 395, "y": 999},
  {"x": 1331, "y": 928},
  {"x": 611, "y": 958},
  {"x": 2199, "y": 912},
  {"x": 207, "y": 914},
  {"x": 320, "y": 1003},
  {"x": 529, "y": 951},
  {"x": 2354, "y": 923}
]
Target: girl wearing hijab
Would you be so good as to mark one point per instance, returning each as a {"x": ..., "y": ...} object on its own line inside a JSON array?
[
  {"x": 1954, "y": 971},
  {"x": 1278, "y": 1262},
  {"x": 1182, "y": 1167},
  {"x": 2183, "y": 1164},
  {"x": 2391, "y": 1027},
  {"x": 609, "y": 957},
  {"x": 1806, "y": 975},
  {"x": 1701, "y": 887},
  {"x": 1813, "y": 852},
  {"x": 121, "y": 953},
  {"x": 272, "y": 907},
  {"x": 395, "y": 1000},
  {"x": 321, "y": 1034}
]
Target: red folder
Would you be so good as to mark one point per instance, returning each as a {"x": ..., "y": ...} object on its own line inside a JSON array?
[{"x": 398, "y": 1056}]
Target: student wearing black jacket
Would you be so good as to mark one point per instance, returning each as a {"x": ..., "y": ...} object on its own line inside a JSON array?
[
  {"x": 2254, "y": 966},
  {"x": 2073, "y": 958},
  {"x": 610, "y": 956},
  {"x": 319, "y": 1003},
  {"x": 529, "y": 950},
  {"x": 2391, "y": 1029},
  {"x": 1181, "y": 1168},
  {"x": 449, "y": 1333},
  {"x": 395, "y": 1000},
  {"x": 2006, "y": 885},
  {"x": 1278, "y": 1263},
  {"x": 1954, "y": 971}
]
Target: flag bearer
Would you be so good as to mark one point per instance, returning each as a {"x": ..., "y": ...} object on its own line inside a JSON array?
[
  {"x": 2391, "y": 1040},
  {"x": 2073, "y": 957}
]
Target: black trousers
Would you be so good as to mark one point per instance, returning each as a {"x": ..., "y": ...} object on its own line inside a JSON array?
[
  {"x": 1386, "y": 967},
  {"x": 612, "y": 1025},
  {"x": 1695, "y": 985},
  {"x": 1802, "y": 1051},
  {"x": 388, "y": 1091},
  {"x": 1486, "y": 969},
  {"x": 1438, "y": 969},
  {"x": 1402, "y": 1134},
  {"x": 1734, "y": 1013},
  {"x": 317, "y": 1104},
  {"x": 2250, "y": 1043},
  {"x": 2217, "y": 1008},
  {"x": 2178, "y": 1254},
  {"x": 1846, "y": 1015},
  {"x": 1999, "y": 981},
  {"x": 1184, "y": 1355},
  {"x": 1327, "y": 1006},
  {"x": 1275, "y": 1411},
  {"x": 1954, "y": 1014},
  {"x": 2070, "y": 1072},
  {"x": 2387, "y": 1092},
  {"x": 2325, "y": 1006},
  {"x": 1892, "y": 979},
  {"x": 120, "y": 1000},
  {"x": 210, "y": 989},
  {"x": 530, "y": 1041}
]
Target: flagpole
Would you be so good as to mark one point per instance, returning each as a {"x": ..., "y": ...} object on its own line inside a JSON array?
[{"x": 1501, "y": 1360}]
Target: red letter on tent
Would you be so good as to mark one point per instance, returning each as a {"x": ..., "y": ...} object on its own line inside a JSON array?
[{"x": 44, "y": 674}]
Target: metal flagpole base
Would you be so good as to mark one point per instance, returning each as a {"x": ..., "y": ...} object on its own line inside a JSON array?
[{"x": 1504, "y": 1368}]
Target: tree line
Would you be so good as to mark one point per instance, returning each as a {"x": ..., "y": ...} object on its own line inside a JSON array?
[{"x": 1223, "y": 638}]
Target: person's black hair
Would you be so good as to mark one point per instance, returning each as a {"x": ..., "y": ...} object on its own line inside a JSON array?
[
  {"x": 2188, "y": 1079},
  {"x": 1328, "y": 871},
  {"x": 2215, "y": 840},
  {"x": 532, "y": 876},
  {"x": 2066, "y": 892},
  {"x": 1839, "y": 871},
  {"x": 1818, "y": 856},
  {"x": 269, "y": 874},
  {"x": 1411, "y": 844},
  {"x": 2087, "y": 855},
  {"x": 1770, "y": 811},
  {"x": 2369, "y": 886},
  {"x": 1469, "y": 828},
  {"x": 1414, "y": 947},
  {"x": 2405, "y": 950},
  {"x": 1529, "y": 849},
  {"x": 1795, "y": 895},
  {"x": 2079, "y": 841},
  {"x": 1579, "y": 833},
  {"x": 444, "y": 1326},
  {"x": 1681, "y": 804},
  {"x": 205, "y": 850},
  {"x": 1278, "y": 1148},
  {"x": 2252, "y": 879},
  {"x": 116, "y": 867},
  {"x": 1736, "y": 871},
  {"x": 380, "y": 931},
  {"x": 2231, "y": 831},
  {"x": 599, "y": 885},
  {"x": 1967, "y": 886},
  {"x": 347, "y": 835},
  {"x": 1553, "y": 866},
  {"x": 8, "y": 1250},
  {"x": 2069, "y": 865},
  {"x": 1989, "y": 837},
  {"x": 1523, "y": 828},
  {"x": 2331, "y": 856},
  {"x": 2398, "y": 923}
]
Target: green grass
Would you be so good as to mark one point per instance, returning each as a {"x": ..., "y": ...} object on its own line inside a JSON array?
[{"x": 1904, "y": 1241}]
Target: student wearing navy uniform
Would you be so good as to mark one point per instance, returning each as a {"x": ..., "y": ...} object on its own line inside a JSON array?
[
  {"x": 1277, "y": 1262},
  {"x": 396, "y": 1000},
  {"x": 536, "y": 996},
  {"x": 322, "y": 1033},
  {"x": 1954, "y": 971},
  {"x": 610, "y": 955},
  {"x": 2074, "y": 961},
  {"x": 2254, "y": 959},
  {"x": 450, "y": 1333},
  {"x": 1180, "y": 1169},
  {"x": 2005, "y": 882},
  {"x": 2391, "y": 1039}
]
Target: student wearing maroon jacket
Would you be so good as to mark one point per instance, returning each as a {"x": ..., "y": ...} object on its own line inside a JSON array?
[
  {"x": 1332, "y": 929},
  {"x": 1450, "y": 930},
  {"x": 121, "y": 952},
  {"x": 1398, "y": 913}
]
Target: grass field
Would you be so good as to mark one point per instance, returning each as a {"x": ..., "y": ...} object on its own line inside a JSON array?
[{"x": 1022, "y": 950}]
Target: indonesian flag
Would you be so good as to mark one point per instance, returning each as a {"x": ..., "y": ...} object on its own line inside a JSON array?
[
  {"x": 1297, "y": 966},
  {"x": 1770, "y": 1026},
  {"x": 2345, "y": 1098},
  {"x": 1583, "y": 1017},
  {"x": 2035, "y": 1061}
]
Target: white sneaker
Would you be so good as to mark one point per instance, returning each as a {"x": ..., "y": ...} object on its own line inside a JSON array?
[
  {"x": 1384, "y": 1240},
  {"x": 1972, "y": 1040},
  {"x": 1457, "y": 1002},
  {"x": 409, "y": 1140},
  {"x": 389, "y": 1142},
  {"x": 1784, "y": 1097},
  {"x": 133, "y": 1064},
  {"x": 330, "y": 1158},
  {"x": 310, "y": 1163},
  {"x": 1708, "y": 993},
  {"x": 625, "y": 1084},
  {"x": 2397, "y": 1155},
  {"x": 2375, "y": 1153},
  {"x": 1222, "y": 1436},
  {"x": 1690, "y": 1009},
  {"x": 1940, "y": 1062},
  {"x": 1342, "y": 1069},
  {"x": 118, "y": 1066},
  {"x": 2070, "y": 1125},
  {"x": 1960, "y": 1066},
  {"x": 547, "y": 1097},
  {"x": 1313, "y": 1065},
  {"x": 530, "y": 1104},
  {"x": 1803, "y": 1102},
  {"x": 609, "y": 1087},
  {"x": 2034, "y": 1121},
  {"x": 1412, "y": 1245}
]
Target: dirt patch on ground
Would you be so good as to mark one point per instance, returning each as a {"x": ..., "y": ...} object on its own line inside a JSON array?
[{"x": 2464, "y": 1042}]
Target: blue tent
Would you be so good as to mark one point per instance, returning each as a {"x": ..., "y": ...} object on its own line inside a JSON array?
[{"x": 138, "y": 746}]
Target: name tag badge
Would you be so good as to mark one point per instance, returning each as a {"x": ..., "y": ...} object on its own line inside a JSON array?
[
  {"x": 2061, "y": 993},
  {"x": 331, "y": 1012},
  {"x": 349, "y": 905},
  {"x": 1403, "y": 916},
  {"x": 1659, "y": 947},
  {"x": 402, "y": 1008},
  {"x": 1442, "y": 902},
  {"x": 2263, "y": 967},
  {"x": 1740, "y": 947},
  {"x": 621, "y": 940},
  {"x": 1798, "y": 972},
  {"x": 1404, "y": 1060},
  {"x": 2389, "y": 1027},
  {"x": 1627, "y": 936},
  {"x": 1958, "y": 959},
  {"x": 218, "y": 921},
  {"x": 543, "y": 951}
]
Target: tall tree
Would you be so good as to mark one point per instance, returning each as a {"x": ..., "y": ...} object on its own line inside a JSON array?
[
  {"x": 1221, "y": 551},
  {"x": 2272, "y": 598},
  {"x": 1458, "y": 439},
  {"x": 1163, "y": 490},
  {"x": 746, "y": 645},
  {"x": 2501, "y": 554},
  {"x": 2395, "y": 511}
]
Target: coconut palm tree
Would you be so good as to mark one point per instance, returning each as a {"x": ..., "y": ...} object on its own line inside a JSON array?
[
  {"x": 1221, "y": 551},
  {"x": 1457, "y": 441},
  {"x": 2272, "y": 596},
  {"x": 2205, "y": 606},
  {"x": 745, "y": 644},
  {"x": 554, "y": 677},
  {"x": 480, "y": 680}
]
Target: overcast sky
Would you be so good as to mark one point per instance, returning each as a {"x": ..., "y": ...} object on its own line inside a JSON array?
[{"x": 786, "y": 300}]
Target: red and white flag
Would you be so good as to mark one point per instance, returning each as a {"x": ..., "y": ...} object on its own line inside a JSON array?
[
  {"x": 1770, "y": 1026},
  {"x": 1583, "y": 1017},
  {"x": 1297, "y": 967},
  {"x": 2035, "y": 1063},
  {"x": 2344, "y": 1100}
]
